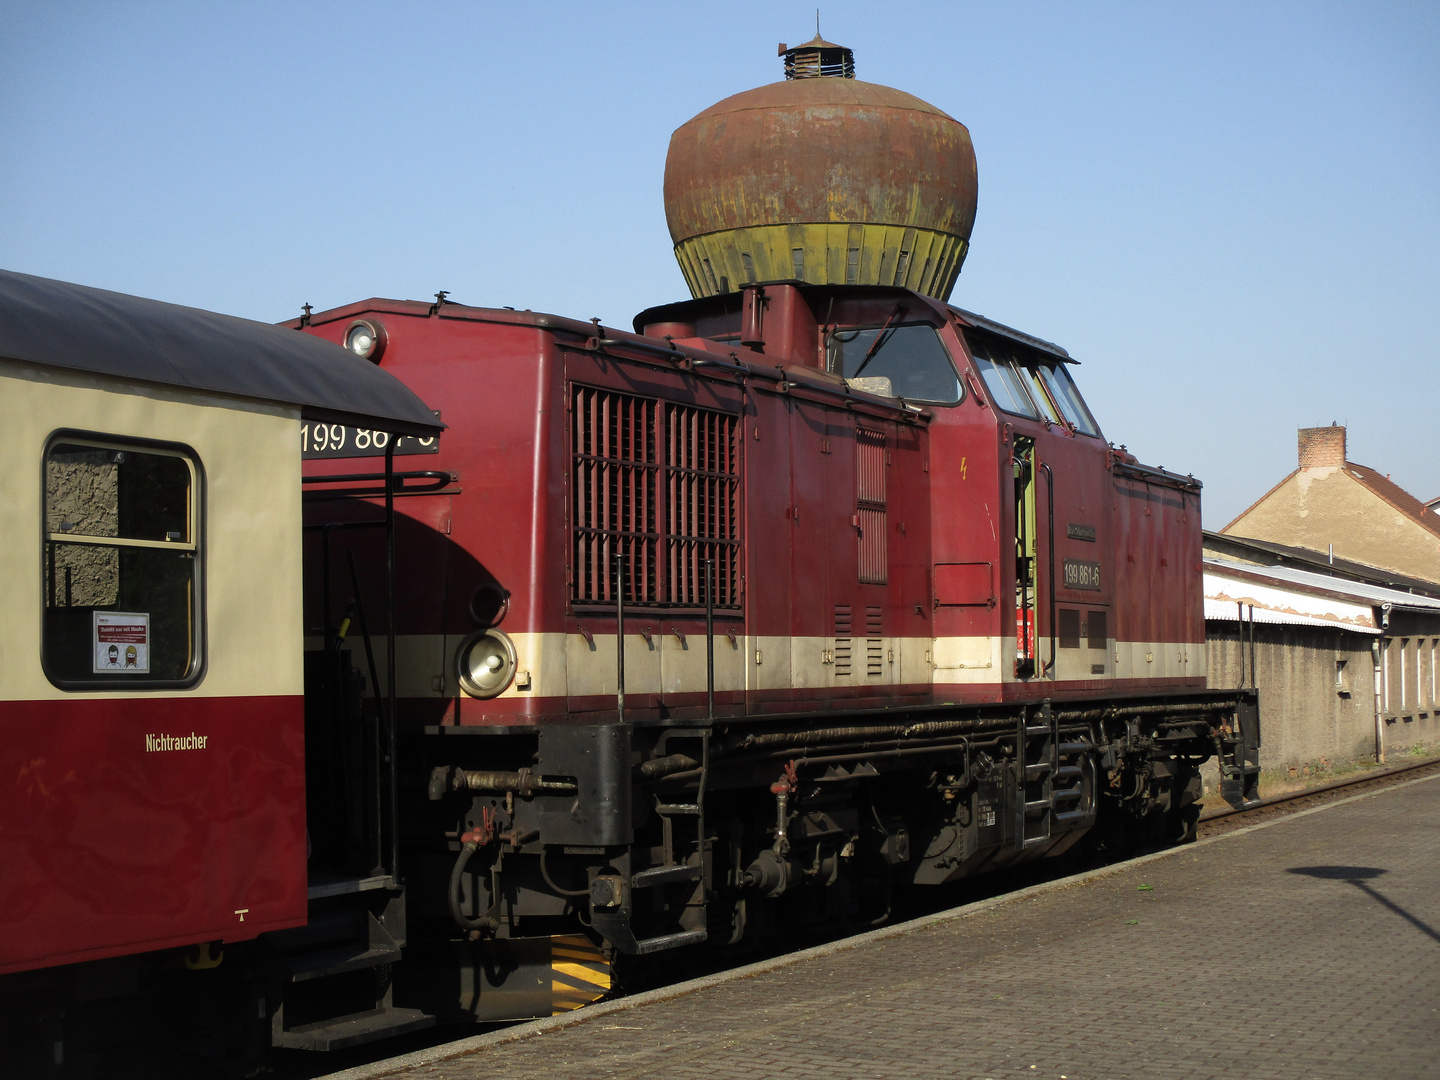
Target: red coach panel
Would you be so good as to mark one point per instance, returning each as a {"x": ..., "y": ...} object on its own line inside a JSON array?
[{"x": 126, "y": 830}]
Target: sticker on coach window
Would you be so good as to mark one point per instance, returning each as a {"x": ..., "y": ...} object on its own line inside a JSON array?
[{"x": 122, "y": 642}]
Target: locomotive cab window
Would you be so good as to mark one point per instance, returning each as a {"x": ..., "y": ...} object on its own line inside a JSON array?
[
  {"x": 1001, "y": 378},
  {"x": 1067, "y": 396},
  {"x": 906, "y": 361},
  {"x": 1026, "y": 385},
  {"x": 121, "y": 564}
]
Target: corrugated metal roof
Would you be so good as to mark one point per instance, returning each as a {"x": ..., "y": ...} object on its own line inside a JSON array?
[
  {"x": 1319, "y": 562},
  {"x": 1284, "y": 594},
  {"x": 1219, "y": 609},
  {"x": 60, "y": 325}
]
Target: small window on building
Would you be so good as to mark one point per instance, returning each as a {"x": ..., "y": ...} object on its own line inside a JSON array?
[
  {"x": 1342, "y": 678},
  {"x": 121, "y": 567},
  {"x": 1404, "y": 682}
]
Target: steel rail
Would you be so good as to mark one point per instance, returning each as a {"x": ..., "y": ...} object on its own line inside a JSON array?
[{"x": 1231, "y": 811}]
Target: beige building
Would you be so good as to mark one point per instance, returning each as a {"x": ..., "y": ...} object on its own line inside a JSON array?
[
  {"x": 1348, "y": 511},
  {"x": 1346, "y": 669}
]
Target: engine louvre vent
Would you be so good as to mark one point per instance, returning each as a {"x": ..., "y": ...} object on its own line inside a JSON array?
[{"x": 660, "y": 483}]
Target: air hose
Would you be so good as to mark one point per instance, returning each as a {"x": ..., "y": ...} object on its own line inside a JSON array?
[{"x": 471, "y": 842}]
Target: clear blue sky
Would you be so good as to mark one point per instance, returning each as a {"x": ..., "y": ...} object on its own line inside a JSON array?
[{"x": 1229, "y": 212}]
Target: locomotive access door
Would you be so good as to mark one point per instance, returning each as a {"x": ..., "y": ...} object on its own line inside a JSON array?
[
  {"x": 1084, "y": 567},
  {"x": 817, "y": 442},
  {"x": 771, "y": 531}
]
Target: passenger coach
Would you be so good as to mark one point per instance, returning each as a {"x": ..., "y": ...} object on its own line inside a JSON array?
[{"x": 152, "y": 740}]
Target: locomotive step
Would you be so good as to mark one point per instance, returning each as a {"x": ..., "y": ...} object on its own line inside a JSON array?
[
  {"x": 669, "y": 941},
  {"x": 353, "y": 1030},
  {"x": 317, "y": 965}
]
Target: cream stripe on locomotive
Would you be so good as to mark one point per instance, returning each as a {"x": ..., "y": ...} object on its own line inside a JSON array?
[
  {"x": 569, "y": 665},
  {"x": 250, "y": 487}
]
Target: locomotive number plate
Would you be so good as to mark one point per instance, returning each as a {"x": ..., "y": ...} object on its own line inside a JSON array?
[
  {"x": 338, "y": 441},
  {"x": 1080, "y": 574}
]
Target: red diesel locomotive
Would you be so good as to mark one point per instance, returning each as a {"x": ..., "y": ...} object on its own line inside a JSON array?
[
  {"x": 866, "y": 637},
  {"x": 811, "y": 586}
]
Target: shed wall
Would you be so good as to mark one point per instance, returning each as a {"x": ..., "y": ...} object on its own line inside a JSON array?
[{"x": 1305, "y": 714}]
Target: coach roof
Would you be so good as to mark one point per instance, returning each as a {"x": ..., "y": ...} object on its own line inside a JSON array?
[{"x": 57, "y": 324}]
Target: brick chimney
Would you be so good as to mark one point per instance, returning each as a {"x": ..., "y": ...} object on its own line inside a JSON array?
[{"x": 1322, "y": 447}]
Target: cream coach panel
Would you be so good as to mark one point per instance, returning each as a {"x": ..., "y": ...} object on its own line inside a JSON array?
[{"x": 250, "y": 460}]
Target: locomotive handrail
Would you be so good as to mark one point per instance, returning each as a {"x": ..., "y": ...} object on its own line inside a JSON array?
[
  {"x": 777, "y": 376},
  {"x": 1050, "y": 524},
  {"x": 375, "y": 678},
  {"x": 620, "y": 635},
  {"x": 1149, "y": 472},
  {"x": 390, "y": 693},
  {"x": 438, "y": 479}
]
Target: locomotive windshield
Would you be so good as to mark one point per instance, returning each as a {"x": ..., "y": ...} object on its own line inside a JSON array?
[
  {"x": 1025, "y": 384},
  {"x": 906, "y": 361}
]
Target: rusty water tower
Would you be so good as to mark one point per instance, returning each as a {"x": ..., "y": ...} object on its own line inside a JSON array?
[{"x": 821, "y": 178}]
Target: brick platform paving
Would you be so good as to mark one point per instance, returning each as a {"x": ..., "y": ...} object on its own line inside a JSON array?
[{"x": 1308, "y": 948}]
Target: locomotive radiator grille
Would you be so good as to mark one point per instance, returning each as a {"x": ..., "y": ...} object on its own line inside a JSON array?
[
  {"x": 613, "y": 493},
  {"x": 870, "y": 505},
  {"x": 660, "y": 483},
  {"x": 701, "y": 507},
  {"x": 843, "y": 625},
  {"x": 874, "y": 643}
]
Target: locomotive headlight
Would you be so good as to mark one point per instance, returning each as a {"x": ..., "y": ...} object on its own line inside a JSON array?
[
  {"x": 366, "y": 339},
  {"x": 485, "y": 663}
]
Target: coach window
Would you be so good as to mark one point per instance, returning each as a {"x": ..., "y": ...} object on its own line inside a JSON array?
[{"x": 122, "y": 564}]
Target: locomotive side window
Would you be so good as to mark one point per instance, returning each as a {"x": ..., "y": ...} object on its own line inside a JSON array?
[
  {"x": 1038, "y": 395},
  {"x": 1062, "y": 388},
  {"x": 121, "y": 565},
  {"x": 1001, "y": 378},
  {"x": 1022, "y": 383},
  {"x": 910, "y": 358}
]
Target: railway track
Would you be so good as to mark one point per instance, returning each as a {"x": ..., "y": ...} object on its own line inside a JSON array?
[{"x": 1224, "y": 819}]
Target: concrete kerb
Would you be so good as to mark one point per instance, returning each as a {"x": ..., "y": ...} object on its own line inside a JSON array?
[{"x": 532, "y": 1028}]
